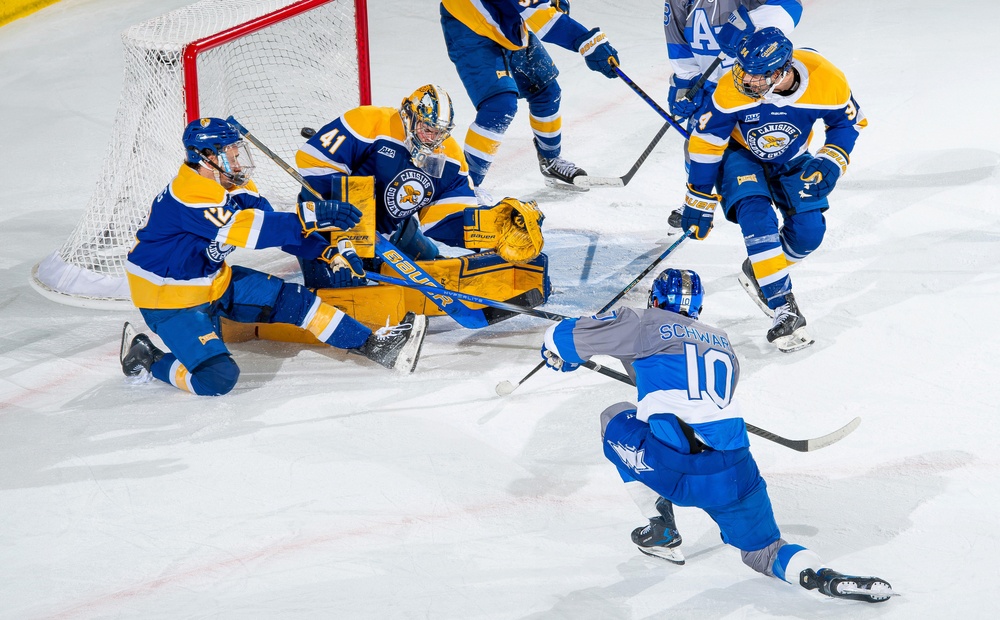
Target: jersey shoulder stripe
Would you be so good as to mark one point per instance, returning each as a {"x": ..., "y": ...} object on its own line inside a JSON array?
[
  {"x": 825, "y": 85},
  {"x": 368, "y": 123}
]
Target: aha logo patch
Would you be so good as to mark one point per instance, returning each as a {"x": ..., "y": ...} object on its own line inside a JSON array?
[
  {"x": 410, "y": 191},
  {"x": 388, "y": 152},
  {"x": 752, "y": 118},
  {"x": 771, "y": 140}
]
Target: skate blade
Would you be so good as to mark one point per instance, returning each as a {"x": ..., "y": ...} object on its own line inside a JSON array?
[
  {"x": 409, "y": 355},
  {"x": 128, "y": 335},
  {"x": 797, "y": 340},
  {"x": 556, "y": 183},
  {"x": 877, "y": 593},
  {"x": 144, "y": 376},
  {"x": 752, "y": 292},
  {"x": 588, "y": 181},
  {"x": 674, "y": 556}
]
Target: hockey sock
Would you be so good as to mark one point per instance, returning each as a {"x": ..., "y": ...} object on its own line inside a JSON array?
[
  {"x": 644, "y": 497},
  {"x": 792, "y": 560},
  {"x": 546, "y": 121},
  {"x": 485, "y": 135},
  {"x": 760, "y": 234},
  {"x": 333, "y": 327}
]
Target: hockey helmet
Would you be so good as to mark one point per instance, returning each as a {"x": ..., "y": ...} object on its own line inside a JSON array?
[
  {"x": 214, "y": 137},
  {"x": 762, "y": 60},
  {"x": 677, "y": 290},
  {"x": 428, "y": 118}
]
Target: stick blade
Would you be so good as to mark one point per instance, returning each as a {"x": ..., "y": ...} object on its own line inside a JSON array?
[
  {"x": 505, "y": 388},
  {"x": 835, "y": 436},
  {"x": 589, "y": 181}
]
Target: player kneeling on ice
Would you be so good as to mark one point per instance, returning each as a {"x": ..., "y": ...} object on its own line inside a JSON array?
[
  {"x": 770, "y": 101},
  {"x": 408, "y": 178},
  {"x": 686, "y": 442},
  {"x": 181, "y": 283}
]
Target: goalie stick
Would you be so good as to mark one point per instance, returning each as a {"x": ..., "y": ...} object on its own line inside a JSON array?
[
  {"x": 591, "y": 181},
  {"x": 463, "y": 315},
  {"x": 799, "y": 445},
  {"x": 505, "y": 388}
]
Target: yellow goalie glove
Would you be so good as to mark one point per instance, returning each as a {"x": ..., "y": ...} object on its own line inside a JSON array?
[{"x": 511, "y": 227}]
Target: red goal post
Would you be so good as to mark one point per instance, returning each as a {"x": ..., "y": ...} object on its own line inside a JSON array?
[{"x": 276, "y": 65}]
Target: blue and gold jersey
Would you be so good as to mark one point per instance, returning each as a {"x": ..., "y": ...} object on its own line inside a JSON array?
[
  {"x": 506, "y": 22},
  {"x": 179, "y": 259},
  {"x": 777, "y": 128},
  {"x": 369, "y": 141},
  {"x": 681, "y": 367}
]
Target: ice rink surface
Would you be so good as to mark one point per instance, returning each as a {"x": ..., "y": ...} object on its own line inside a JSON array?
[{"x": 324, "y": 487}]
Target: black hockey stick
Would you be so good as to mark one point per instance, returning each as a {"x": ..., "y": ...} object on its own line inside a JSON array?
[
  {"x": 504, "y": 388},
  {"x": 799, "y": 445},
  {"x": 622, "y": 181}
]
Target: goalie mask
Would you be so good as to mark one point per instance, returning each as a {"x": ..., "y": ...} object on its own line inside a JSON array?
[
  {"x": 428, "y": 119},
  {"x": 677, "y": 290},
  {"x": 763, "y": 58},
  {"x": 214, "y": 143}
]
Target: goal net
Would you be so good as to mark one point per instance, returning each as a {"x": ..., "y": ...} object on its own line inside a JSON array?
[{"x": 275, "y": 65}]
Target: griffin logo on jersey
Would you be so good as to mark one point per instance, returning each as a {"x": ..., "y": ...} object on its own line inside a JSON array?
[
  {"x": 409, "y": 192},
  {"x": 771, "y": 140}
]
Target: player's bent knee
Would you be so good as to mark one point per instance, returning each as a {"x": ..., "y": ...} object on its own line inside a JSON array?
[
  {"x": 215, "y": 376},
  {"x": 294, "y": 302},
  {"x": 496, "y": 112},
  {"x": 609, "y": 414},
  {"x": 762, "y": 560}
]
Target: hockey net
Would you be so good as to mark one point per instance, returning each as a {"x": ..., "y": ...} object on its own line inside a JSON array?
[{"x": 275, "y": 65}]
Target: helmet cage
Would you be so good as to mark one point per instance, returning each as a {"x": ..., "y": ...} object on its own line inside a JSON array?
[
  {"x": 428, "y": 118},
  {"x": 678, "y": 291}
]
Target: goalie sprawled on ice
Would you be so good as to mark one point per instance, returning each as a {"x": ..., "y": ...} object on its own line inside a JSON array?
[{"x": 409, "y": 179}]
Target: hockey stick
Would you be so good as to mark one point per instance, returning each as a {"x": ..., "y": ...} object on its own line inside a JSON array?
[
  {"x": 799, "y": 445},
  {"x": 622, "y": 181},
  {"x": 670, "y": 119},
  {"x": 393, "y": 256},
  {"x": 505, "y": 388}
]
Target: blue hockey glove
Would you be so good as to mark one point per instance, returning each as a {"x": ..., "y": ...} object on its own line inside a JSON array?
[
  {"x": 733, "y": 31},
  {"x": 555, "y": 362},
  {"x": 821, "y": 173},
  {"x": 598, "y": 53},
  {"x": 327, "y": 215},
  {"x": 677, "y": 98},
  {"x": 345, "y": 265},
  {"x": 699, "y": 209}
]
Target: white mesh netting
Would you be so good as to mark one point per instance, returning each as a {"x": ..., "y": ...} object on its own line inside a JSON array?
[{"x": 301, "y": 71}]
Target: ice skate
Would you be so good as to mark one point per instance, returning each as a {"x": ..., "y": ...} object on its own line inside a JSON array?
[
  {"x": 832, "y": 583},
  {"x": 559, "y": 172},
  {"x": 674, "y": 221},
  {"x": 397, "y": 347},
  {"x": 659, "y": 539},
  {"x": 749, "y": 283},
  {"x": 788, "y": 332},
  {"x": 138, "y": 354}
]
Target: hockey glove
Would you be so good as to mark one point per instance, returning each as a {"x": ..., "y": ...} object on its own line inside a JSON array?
[
  {"x": 327, "y": 215},
  {"x": 345, "y": 265},
  {"x": 561, "y": 5},
  {"x": 733, "y": 31},
  {"x": 519, "y": 230},
  {"x": 555, "y": 362},
  {"x": 699, "y": 209},
  {"x": 677, "y": 98},
  {"x": 821, "y": 173},
  {"x": 598, "y": 53}
]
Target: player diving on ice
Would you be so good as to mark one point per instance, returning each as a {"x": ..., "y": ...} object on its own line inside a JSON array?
[
  {"x": 180, "y": 281},
  {"x": 750, "y": 142},
  {"x": 685, "y": 442}
]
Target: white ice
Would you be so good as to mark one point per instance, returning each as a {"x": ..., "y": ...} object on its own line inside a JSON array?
[{"x": 324, "y": 487}]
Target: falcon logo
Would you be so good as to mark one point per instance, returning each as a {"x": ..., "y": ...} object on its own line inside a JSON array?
[
  {"x": 410, "y": 191},
  {"x": 634, "y": 459},
  {"x": 771, "y": 140}
]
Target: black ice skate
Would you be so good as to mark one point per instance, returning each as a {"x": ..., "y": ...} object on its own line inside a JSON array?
[
  {"x": 675, "y": 219},
  {"x": 559, "y": 172},
  {"x": 398, "y": 346},
  {"x": 138, "y": 354},
  {"x": 788, "y": 332},
  {"x": 659, "y": 539},
  {"x": 749, "y": 283},
  {"x": 832, "y": 583}
]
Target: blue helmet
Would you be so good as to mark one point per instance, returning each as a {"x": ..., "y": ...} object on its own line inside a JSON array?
[
  {"x": 677, "y": 290},
  {"x": 205, "y": 137},
  {"x": 762, "y": 57},
  {"x": 428, "y": 118}
]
